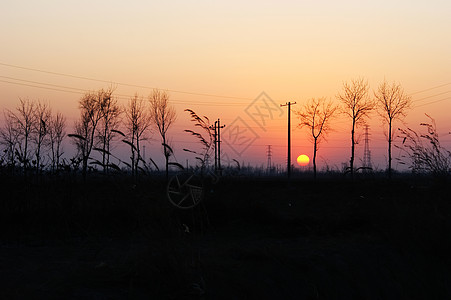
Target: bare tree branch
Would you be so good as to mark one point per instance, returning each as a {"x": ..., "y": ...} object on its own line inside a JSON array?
[
  {"x": 356, "y": 105},
  {"x": 315, "y": 115},
  {"x": 392, "y": 104},
  {"x": 137, "y": 123},
  {"x": 163, "y": 115}
]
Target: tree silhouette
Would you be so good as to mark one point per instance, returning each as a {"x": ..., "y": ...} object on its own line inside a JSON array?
[
  {"x": 357, "y": 105},
  {"x": 42, "y": 116},
  {"x": 137, "y": 122},
  {"x": 56, "y": 131},
  {"x": 316, "y": 115},
  {"x": 22, "y": 124},
  {"x": 9, "y": 137},
  {"x": 108, "y": 125},
  {"x": 392, "y": 104},
  {"x": 163, "y": 116},
  {"x": 91, "y": 112}
]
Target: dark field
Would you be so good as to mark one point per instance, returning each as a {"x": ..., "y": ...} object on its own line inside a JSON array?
[{"x": 252, "y": 238}]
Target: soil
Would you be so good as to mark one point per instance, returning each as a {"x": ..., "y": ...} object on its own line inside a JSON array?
[{"x": 249, "y": 239}]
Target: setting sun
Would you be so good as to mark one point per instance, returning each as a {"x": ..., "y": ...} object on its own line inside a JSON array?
[{"x": 303, "y": 160}]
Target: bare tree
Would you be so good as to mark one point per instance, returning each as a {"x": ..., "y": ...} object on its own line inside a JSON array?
[
  {"x": 9, "y": 137},
  {"x": 91, "y": 112},
  {"x": 22, "y": 123},
  {"x": 137, "y": 122},
  {"x": 109, "y": 123},
  {"x": 356, "y": 105},
  {"x": 163, "y": 115},
  {"x": 56, "y": 131},
  {"x": 42, "y": 115},
  {"x": 81, "y": 136},
  {"x": 392, "y": 104},
  {"x": 316, "y": 115}
]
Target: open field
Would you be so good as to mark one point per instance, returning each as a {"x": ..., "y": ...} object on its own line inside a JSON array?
[{"x": 253, "y": 238}]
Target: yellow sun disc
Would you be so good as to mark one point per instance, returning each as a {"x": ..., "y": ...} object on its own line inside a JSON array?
[{"x": 303, "y": 160}]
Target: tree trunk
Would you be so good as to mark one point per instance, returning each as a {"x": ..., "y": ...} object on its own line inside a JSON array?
[
  {"x": 351, "y": 163},
  {"x": 133, "y": 154},
  {"x": 166, "y": 156},
  {"x": 315, "y": 148},
  {"x": 105, "y": 168},
  {"x": 107, "y": 164},
  {"x": 389, "y": 148},
  {"x": 138, "y": 156},
  {"x": 85, "y": 167},
  {"x": 25, "y": 156},
  {"x": 38, "y": 158}
]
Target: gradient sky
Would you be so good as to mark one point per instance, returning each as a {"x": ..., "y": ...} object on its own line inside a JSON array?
[{"x": 199, "y": 50}]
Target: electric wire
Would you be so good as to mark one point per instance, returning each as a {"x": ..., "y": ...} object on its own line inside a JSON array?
[
  {"x": 431, "y": 96},
  {"x": 60, "y": 88},
  {"x": 432, "y": 102},
  {"x": 122, "y": 83},
  {"x": 67, "y": 89},
  {"x": 429, "y": 89}
]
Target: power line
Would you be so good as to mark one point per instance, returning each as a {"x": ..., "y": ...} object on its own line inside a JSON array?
[
  {"x": 432, "y": 102},
  {"x": 432, "y": 88},
  {"x": 435, "y": 95},
  {"x": 42, "y": 83},
  {"x": 40, "y": 87},
  {"x": 67, "y": 89},
  {"x": 121, "y": 83}
]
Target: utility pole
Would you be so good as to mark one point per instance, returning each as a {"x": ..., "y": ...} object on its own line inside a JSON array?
[
  {"x": 289, "y": 138},
  {"x": 217, "y": 128},
  {"x": 219, "y": 146},
  {"x": 216, "y": 150}
]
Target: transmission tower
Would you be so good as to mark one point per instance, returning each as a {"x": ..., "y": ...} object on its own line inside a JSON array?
[
  {"x": 366, "y": 150},
  {"x": 269, "y": 154}
]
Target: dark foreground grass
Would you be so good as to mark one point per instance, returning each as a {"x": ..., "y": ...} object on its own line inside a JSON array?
[{"x": 253, "y": 238}]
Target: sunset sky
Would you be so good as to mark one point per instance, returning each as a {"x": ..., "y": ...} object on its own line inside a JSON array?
[{"x": 217, "y": 57}]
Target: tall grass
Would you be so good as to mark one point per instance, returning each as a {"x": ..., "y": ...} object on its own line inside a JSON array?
[{"x": 424, "y": 152}]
